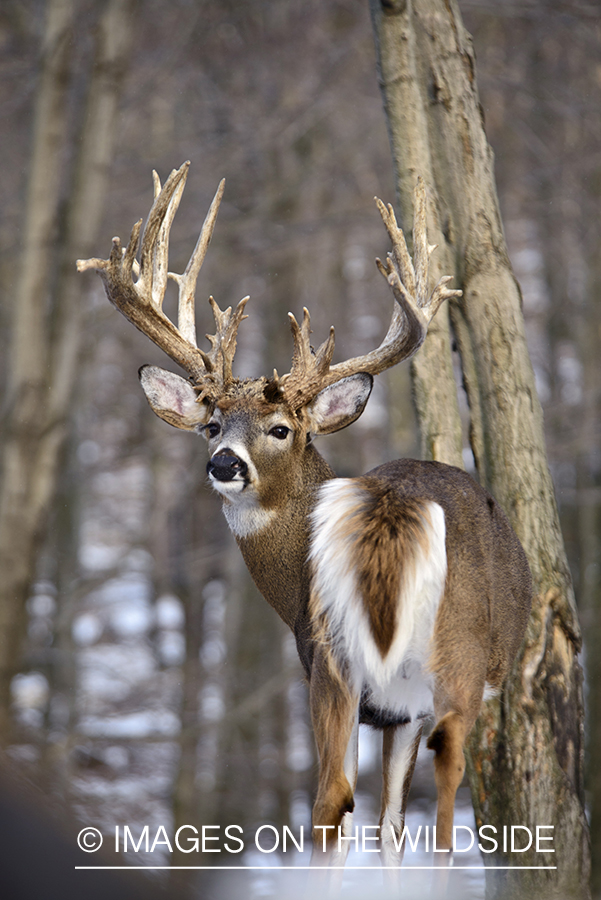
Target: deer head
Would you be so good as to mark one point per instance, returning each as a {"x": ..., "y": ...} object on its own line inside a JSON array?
[{"x": 276, "y": 413}]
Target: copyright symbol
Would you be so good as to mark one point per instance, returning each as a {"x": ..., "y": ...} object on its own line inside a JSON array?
[{"x": 89, "y": 840}]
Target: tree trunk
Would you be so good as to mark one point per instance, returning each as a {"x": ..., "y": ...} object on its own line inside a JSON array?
[
  {"x": 526, "y": 752},
  {"x": 46, "y": 323},
  {"x": 29, "y": 356},
  {"x": 589, "y": 535}
]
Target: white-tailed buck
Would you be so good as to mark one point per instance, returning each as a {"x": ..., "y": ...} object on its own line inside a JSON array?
[{"x": 406, "y": 588}]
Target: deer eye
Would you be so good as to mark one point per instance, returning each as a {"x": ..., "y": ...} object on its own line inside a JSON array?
[
  {"x": 280, "y": 432},
  {"x": 213, "y": 429}
]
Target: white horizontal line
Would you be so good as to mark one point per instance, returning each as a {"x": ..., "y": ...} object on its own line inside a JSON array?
[{"x": 315, "y": 868}]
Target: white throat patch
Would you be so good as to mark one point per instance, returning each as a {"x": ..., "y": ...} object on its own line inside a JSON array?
[{"x": 246, "y": 517}]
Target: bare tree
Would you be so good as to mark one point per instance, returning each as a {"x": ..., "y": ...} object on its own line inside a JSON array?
[
  {"x": 47, "y": 310},
  {"x": 527, "y": 750}
]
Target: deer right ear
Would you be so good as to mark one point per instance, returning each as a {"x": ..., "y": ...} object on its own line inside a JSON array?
[
  {"x": 339, "y": 404},
  {"x": 173, "y": 398}
]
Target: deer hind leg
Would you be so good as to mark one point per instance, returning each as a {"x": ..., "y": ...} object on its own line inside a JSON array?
[
  {"x": 400, "y": 745},
  {"x": 447, "y": 740},
  {"x": 335, "y": 715},
  {"x": 460, "y": 672}
]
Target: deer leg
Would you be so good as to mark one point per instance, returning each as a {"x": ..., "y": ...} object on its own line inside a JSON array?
[
  {"x": 351, "y": 757},
  {"x": 334, "y": 711},
  {"x": 447, "y": 740},
  {"x": 459, "y": 671},
  {"x": 400, "y": 745}
]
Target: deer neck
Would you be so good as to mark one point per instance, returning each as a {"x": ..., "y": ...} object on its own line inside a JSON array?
[{"x": 276, "y": 554}]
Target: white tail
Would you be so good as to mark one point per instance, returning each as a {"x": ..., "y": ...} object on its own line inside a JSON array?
[{"x": 406, "y": 588}]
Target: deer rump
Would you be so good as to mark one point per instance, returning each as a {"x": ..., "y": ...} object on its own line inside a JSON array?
[{"x": 419, "y": 588}]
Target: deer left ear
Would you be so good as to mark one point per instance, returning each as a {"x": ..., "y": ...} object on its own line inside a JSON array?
[{"x": 339, "y": 404}]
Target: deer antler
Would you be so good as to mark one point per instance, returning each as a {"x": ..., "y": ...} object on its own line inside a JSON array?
[
  {"x": 141, "y": 301},
  {"x": 413, "y": 311}
]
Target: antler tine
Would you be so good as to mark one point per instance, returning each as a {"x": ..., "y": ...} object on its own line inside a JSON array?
[
  {"x": 224, "y": 341},
  {"x": 187, "y": 282},
  {"x": 309, "y": 368},
  {"x": 413, "y": 311},
  {"x": 400, "y": 254},
  {"x": 160, "y": 272},
  {"x": 303, "y": 352},
  {"x": 155, "y": 240},
  {"x": 440, "y": 294}
]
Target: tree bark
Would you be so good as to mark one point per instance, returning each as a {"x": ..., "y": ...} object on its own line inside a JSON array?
[
  {"x": 526, "y": 752},
  {"x": 46, "y": 325},
  {"x": 434, "y": 390},
  {"x": 29, "y": 356},
  {"x": 589, "y": 540}
]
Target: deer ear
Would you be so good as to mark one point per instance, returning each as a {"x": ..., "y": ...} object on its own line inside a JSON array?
[
  {"x": 173, "y": 398},
  {"x": 339, "y": 404}
]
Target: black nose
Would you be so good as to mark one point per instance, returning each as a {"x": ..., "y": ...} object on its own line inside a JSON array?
[{"x": 225, "y": 467}]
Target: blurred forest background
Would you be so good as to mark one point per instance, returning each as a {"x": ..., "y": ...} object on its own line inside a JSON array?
[{"x": 154, "y": 685}]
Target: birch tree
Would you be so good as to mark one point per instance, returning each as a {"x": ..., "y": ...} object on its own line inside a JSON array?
[{"x": 526, "y": 754}]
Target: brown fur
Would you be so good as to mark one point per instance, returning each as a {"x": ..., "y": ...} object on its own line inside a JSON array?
[
  {"x": 332, "y": 707},
  {"x": 244, "y": 395},
  {"x": 390, "y": 529},
  {"x": 447, "y": 740}
]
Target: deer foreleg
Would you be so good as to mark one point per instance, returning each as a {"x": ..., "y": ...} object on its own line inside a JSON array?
[
  {"x": 399, "y": 753},
  {"x": 334, "y": 711}
]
